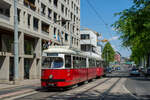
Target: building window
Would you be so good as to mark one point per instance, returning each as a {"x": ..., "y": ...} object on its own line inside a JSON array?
[
  {"x": 66, "y": 12},
  {"x": 28, "y": 47},
  {"x": 50, "y": 1},
  {"x": 43, "y": 7},
  {"x": 62, "y": 8},
  {"x": 85, "y": 36},
  {"x": 68, "y": 2},
  {"x": 49, "y": 13},
  {"x": 54, "y": 33},
  {"x": 77, "y": 10},
  {"x": 45, "y": 27},
  {"x": 55, "y": 16},
  {"x": 66, "y": 37},
  {"x": 30, "y": 3},
  {"x": 56, "y": 2},
  {"x": 8, "y": 42},
  {"x": 35, "y": 23},
  {"x": 5, "y": 9},
  {"x": 71, "y": 15},
  {"x": 18, "y": 13},
  {"x": 58, "y": 36},
  {"x": 72, "y": 40},
  {"x": 72, "y": 4},
  {"x": 29, "y": 18},
  {"x": 77, "y": 42},
  {"x": 63, "y": 22}
]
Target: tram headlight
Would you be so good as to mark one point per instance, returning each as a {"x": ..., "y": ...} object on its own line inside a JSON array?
[{"x": 50, "y": 76}]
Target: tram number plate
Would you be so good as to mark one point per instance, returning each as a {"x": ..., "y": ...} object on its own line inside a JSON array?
[{"x": 51, "y": 84}]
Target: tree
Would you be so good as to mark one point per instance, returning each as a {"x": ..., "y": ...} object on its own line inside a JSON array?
[
  {"x": 108, "y": 53},
  {"x": 134, "y": 27}
]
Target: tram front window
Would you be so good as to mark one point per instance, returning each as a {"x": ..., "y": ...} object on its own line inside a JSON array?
[{"x": 52, "y": 62}]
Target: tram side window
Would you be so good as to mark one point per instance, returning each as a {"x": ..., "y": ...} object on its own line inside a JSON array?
[
  {"x": 68, "y": 61},
  {"x": 91, "y": 63},
  {"x": 98, "y": 64},
  {"x": 76, "y": 62},
  {"x": 83, "y": 63}
]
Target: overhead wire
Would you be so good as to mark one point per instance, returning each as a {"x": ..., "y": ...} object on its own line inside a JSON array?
[{"x": 100, "y": 17}]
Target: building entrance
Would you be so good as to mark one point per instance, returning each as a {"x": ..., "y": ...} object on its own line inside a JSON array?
[
  {"x": 11, "y": 69},
  {"x": 27, "y": 66}
]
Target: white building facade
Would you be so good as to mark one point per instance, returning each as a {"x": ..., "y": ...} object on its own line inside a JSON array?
[
  {"x": 40, "y": 23},
  {"x": 89, "y": 42}
]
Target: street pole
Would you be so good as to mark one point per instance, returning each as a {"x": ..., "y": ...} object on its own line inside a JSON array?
[{"x": 15, "y": 42}]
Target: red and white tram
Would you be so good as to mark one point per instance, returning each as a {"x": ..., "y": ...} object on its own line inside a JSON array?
[{"x": 63, "y": 67}]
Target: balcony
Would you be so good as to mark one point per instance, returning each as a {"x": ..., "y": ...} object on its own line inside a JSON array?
[
  {"x": 30, "y": 4},
  {"x": 45, "y": 28},
  {"x": 4, "y": 10}
]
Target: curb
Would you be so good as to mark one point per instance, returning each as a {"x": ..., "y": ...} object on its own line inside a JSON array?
[{"x": 16, "y": 86}]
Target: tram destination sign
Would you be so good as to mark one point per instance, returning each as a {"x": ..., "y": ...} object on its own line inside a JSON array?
[{"x": 52, "y": 54}]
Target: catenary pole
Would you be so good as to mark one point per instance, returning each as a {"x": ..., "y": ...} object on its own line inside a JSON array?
[{"x": 15, "y": 42}]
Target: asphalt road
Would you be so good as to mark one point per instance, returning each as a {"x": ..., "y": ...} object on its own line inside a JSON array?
[
  {"x": 139, "y": 86},
  {"x": 118, "y": 85}
]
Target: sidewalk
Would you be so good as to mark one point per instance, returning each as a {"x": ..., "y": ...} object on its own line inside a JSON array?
[{"x": 21, "y": 83}]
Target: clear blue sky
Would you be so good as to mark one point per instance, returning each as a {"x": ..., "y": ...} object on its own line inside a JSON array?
[{"x": 106, "y": 9}]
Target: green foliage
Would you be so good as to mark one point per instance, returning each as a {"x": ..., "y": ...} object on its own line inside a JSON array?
[
  {"x": 108, "y": 53},
  {"x": 134, "y": 28}
]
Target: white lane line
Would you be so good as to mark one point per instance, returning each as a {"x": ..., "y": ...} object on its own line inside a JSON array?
[{"x": 20, "y": 96}]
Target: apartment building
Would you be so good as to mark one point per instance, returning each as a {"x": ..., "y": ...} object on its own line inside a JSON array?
[
  {"x": 89, "y": 42},
  {"x": 40, "y": 23}
]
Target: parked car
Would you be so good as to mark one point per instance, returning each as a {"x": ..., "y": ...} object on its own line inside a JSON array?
[
  {"x": 117, "y": 68},
  {"x": 147, "y": 72},
  {"x": 108, "y": 70},
  {"x": 134, "y": 72}
]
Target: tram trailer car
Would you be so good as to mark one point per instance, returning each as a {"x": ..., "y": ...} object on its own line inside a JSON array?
[{"x": 63, "y": 67}]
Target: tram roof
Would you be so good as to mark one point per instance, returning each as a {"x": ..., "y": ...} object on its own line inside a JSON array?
[
  {"x": 92, "y": 55},
  {"x": 67, "y": 50},
  {"x": 60, "y": 49}
]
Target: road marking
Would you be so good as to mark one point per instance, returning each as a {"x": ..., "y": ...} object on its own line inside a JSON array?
[
  {"x": 129, "y": 92},
  {"x": 20, "y": 96},
  {"x": 15, "y": 93}
]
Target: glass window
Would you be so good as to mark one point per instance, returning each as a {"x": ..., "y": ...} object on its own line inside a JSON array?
[
  {"x": 52, "y": 62},
  {"x": 85, "y": 36},
  {"x": 67, "y": 61},
  {"x": 79, "y": 62},
  {"x": 91, "y": 63}
]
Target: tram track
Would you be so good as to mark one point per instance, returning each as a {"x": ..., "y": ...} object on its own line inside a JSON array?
[
  {"x": 106, "y": 92},
  {"x": 56, "y": 94},
  {"x": 75, "y": 93},
  {"x": 79, "y": 95},
  {"x": 101, "y": 86}
]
